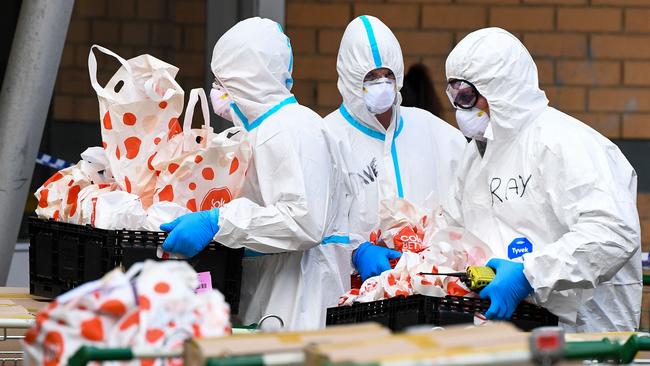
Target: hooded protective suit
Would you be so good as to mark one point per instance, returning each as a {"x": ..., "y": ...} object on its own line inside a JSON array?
[
  {"x": 288, "y": 203},
  {"x": 549, "y": 190},
  {"x": 414, "y": 158}
]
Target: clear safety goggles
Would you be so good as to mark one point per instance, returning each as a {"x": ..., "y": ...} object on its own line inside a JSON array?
[{"x": 462, "y": 94}]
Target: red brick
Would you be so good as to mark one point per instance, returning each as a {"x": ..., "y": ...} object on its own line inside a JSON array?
[
  {"x": 621, "y": 2},
  {"x": 135, "y": 33},
  {"x": 608, "y": 124},
  {"x": 63, "y": 107},
  {"x": 522, "y": 18},
  {"x": 321, "y": 68},
  {"x": 492, "y": 2},
  {"x": 78, "y": 31},
  {"x": 556, "y": 44},
  {"x": 627, "y": 100},
  {"x": 643, "y": 205},
  {"x": 303, "y": 41},
  {"x": 179, "y": 30},
  {"x": 420, "y": 1},
  {"x": 424, "y": 43},
  {"x": 393, "y": 15},
  {"x": 623, "y": 46},
  {"x": 545, "y": 71},
  {"x": 636, "y": 126},
  {"x": 121, "y": 9},
  {"x": 86, "y": 109},
  {"x": 589, "y": 19},
  {"x": 557, "y": 2},
  {"x": 105, "y": 32},
  {"x": 410, "y": 61},
  {"x": 566, "y": 99},
  {"x": 190, "y": 12},
  {"x": 637, "y": 73},
  {"x": 163, "y": 35},
  {"x": 152, "y": 9},
  {"x": 436, "y": 66},
  {"x": 74, "y": 81},
  {"x": 645, "y": 239},
  {"x": 191, "y": 82},
  {"x": 68, "y": 56},
  {"x": 190, "y": 63},
  {"x": 327, "y": 95},
  {"x": 637, "y": 20},
  {"x": 194, "y": 38},
  {"x": 89, "y": 8},
  {"x": 454, "y": 17},
  {"x": 317, "y": 15},
  {"x": 588, "y": 73},
  {"x": 305, "y": 92},
  {"x": 329, "y": 40}
]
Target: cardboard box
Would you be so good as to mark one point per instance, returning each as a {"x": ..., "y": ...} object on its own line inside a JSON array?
[
  {"x": 499, "y": 342},
  {"x": 197, "y": 352}
]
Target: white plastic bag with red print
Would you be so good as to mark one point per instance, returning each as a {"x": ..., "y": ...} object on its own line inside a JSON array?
[
  {"x": 402, "y": 225},
  {"x": 60, "y": 197},
  {"x": 200, "y": 169},
  {"x": 139, "y": 107},
  {"x": 427, "y": 245},
  {"x": 128, "y": 310}
]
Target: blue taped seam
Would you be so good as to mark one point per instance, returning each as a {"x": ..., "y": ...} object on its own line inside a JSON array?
[
  {"x": 336, "y": 239},
  {"x": 364, "y": 129},
  {"x": 373, "y": 42},
  {"x": 393, "y": 152},
  {"x": 249, "y": 253},
  {"x": 267, "y": 114}
]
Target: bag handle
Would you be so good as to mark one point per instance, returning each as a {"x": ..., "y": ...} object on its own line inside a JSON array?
[
  {"x": 195, "y": 95},
  {"x": 92, "y": 68}
]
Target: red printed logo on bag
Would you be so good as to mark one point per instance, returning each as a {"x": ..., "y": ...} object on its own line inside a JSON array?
[
  {"x": 216, "y": 198},
  {"x": 52, "y": 348},
  {"x": 408, "y": 240}
]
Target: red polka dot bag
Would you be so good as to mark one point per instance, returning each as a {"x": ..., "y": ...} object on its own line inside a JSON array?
[
  {"x": 154, "y": 305},
  {"x": 200, "y": 169},
  {"x": 139, "y": 107}
]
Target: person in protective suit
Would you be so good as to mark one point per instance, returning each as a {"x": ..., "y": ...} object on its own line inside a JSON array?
[
  {"x": 553, "y": 198},
  {"x": 388, "y": 150},
  {"x": 288, "y": 212}
]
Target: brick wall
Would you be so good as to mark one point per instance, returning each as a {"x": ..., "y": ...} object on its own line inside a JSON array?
[
  {"x": 593, "y": 56},
  {"x": 171, "y": 30}
]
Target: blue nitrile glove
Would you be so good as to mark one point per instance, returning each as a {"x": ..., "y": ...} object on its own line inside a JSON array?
[
  {"x": 507, "y": 290},
  {"x": 371, "y": 260},
  {"x": 192, "y": 232}
]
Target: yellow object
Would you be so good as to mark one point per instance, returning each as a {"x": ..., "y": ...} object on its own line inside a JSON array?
[{"x": 479, "y": 276}]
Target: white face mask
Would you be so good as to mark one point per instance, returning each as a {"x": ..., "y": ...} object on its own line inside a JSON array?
[
  {"x": 473, "y": 122},
  {"x": 379, "y": 94},
  {"x": 220, "y": 102}
]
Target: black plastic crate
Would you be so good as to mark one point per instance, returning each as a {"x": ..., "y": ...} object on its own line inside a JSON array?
[
  {"x": 399, "y": 313},
  {"x": 63, "y": 256},
  {"x": 68, "y": 254}
]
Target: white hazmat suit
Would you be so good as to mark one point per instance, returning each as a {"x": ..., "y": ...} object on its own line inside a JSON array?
[
  {"x": 414, "y": 158},
  {"x": 288, "y": 203},
  {"x": 550, "y": 191}
]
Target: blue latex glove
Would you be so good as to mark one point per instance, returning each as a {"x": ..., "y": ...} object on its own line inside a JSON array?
[
  {"x": 191, "y": 233},
  {"x": 507, "y": 290},
  {"x": 371, "y": 260}
]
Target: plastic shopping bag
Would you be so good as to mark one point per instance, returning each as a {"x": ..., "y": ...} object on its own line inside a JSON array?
[
  {"x": 199, "y": 169},
  {"x": 139, "y": 108},
  {"x": 154, "y": 304}
]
